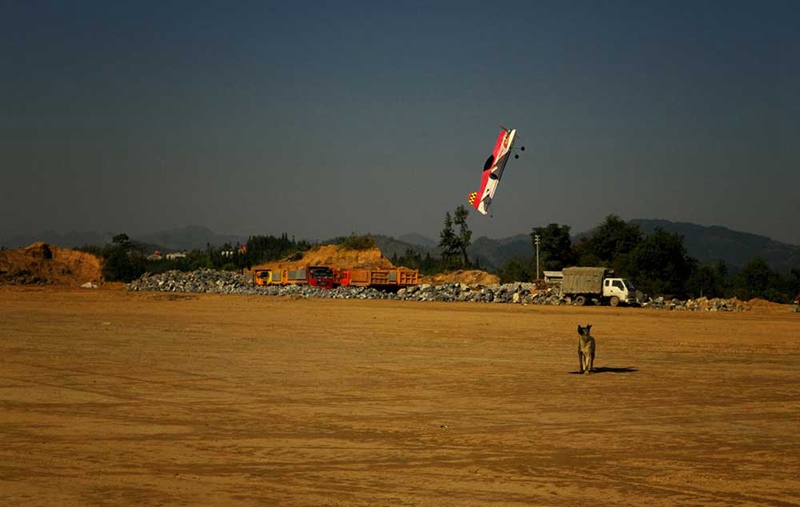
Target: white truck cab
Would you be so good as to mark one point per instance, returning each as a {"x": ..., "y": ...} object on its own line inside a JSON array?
[{"x": 619, "y": 289}]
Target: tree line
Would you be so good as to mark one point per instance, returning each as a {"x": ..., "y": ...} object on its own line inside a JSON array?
[
  {"x": 125, "y": 260},
  {"x": 657, "y": 263}
]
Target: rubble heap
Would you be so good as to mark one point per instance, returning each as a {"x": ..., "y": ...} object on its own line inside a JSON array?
[{"x": 225, "y": 282}]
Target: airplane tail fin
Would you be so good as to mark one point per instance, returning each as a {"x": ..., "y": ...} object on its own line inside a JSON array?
[{"x": 472, "y": 198}]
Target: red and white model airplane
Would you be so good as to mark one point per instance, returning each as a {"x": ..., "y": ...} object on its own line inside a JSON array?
[{"x": 493, "y": 170}]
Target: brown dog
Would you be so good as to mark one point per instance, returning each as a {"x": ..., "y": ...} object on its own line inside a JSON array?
[{"x": 586, "y": 349}]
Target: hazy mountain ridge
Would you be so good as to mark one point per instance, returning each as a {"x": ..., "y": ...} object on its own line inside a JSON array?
[
  {"x": 68, "y": 240},
  {"x": 490, "y": 254},
  {"x": 191, "y": 237},
  {"x": 390, "y": 246},
  {"x": 418, "y": 239},
  {"x": 705, "y": 243},
  {"x": 736, "y": 248}
]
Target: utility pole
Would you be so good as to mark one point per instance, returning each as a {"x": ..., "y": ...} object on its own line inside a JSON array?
[{"x": 536, "y": 240}]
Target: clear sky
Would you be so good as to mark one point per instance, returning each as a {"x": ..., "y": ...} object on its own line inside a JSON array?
[{"x": 322, "y": 119}]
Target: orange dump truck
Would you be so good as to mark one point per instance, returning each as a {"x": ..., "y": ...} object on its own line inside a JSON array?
[
  {"x": 381, "y": 278},
  {"x": 266, "y": 277},
  {"x": 317, "y": 276}
]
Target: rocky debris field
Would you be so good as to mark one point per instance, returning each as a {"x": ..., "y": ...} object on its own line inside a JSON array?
[{"x": 225, "y": 282}]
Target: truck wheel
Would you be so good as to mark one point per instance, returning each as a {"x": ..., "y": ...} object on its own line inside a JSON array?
[
  {"x": 614, "y": 301},
  {"x": 580, "y": 300}
]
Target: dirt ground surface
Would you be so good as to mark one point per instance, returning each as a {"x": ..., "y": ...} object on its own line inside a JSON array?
[{"x": 116, "y": 398}]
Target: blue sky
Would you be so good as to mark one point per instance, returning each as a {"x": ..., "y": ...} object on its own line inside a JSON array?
[{"x": 325, "y": 118}]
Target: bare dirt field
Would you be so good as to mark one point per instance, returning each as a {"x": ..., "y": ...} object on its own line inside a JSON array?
[{"x": 116, "y": 398}]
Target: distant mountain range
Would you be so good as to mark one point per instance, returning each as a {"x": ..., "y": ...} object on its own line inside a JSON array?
[
  {"x": 192, "y": 237},
  {"x": 706, "y": 244},
  {"x": 710, "y": 244}
]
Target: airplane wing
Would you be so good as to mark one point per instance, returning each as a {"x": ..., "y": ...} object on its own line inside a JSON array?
[{"x": 493, "y": 171}]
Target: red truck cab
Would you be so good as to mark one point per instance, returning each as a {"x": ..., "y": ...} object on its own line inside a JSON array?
[{"x": 320, "y": 276}]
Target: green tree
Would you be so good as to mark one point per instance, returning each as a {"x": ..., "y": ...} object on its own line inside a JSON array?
[
  {"x": 659, "y": 264},
  {"x": 269, "y": 248},
  {"x": 793, "y": 284},
  {"x": 426, "y": 264},
  {"x": 464, "y": 234},
  {"x": 195, "y": 260},
  {"x": 356, "y": 242},
  {"x": 448, "y": 241},
  {"x": 517, "y": 269},
  {"x": 610, "y": 244},
  {"x": 757, "y": 280},
  {"x": 709, "y": 281},
  {"x": 123, "y": 241},
  {"x": 555, "y": 247},
  {"x": 241, "y": 260},
  {"x": 454, "y": 245},
  {"x": 123, "y": 260}
]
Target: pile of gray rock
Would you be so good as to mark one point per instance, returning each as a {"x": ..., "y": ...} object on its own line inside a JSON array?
[
  {"x": 700, "y": 304},
  {"x": 523, "y": 293},
  {"x": 226, "y": 282},
  {"x": 203, "y": 280}
]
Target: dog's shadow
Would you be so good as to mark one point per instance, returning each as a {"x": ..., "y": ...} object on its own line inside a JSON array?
[{"x": 609, "y": 369}]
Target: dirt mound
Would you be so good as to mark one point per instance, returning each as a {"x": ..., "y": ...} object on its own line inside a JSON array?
[
  {"x": 765, "y": 306},
  {"x": 469, "y": 277},
  {"x": 763, "y": 303},
  {"x": 334, "y": 256},
  {"x": 44, "y": 264}
]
